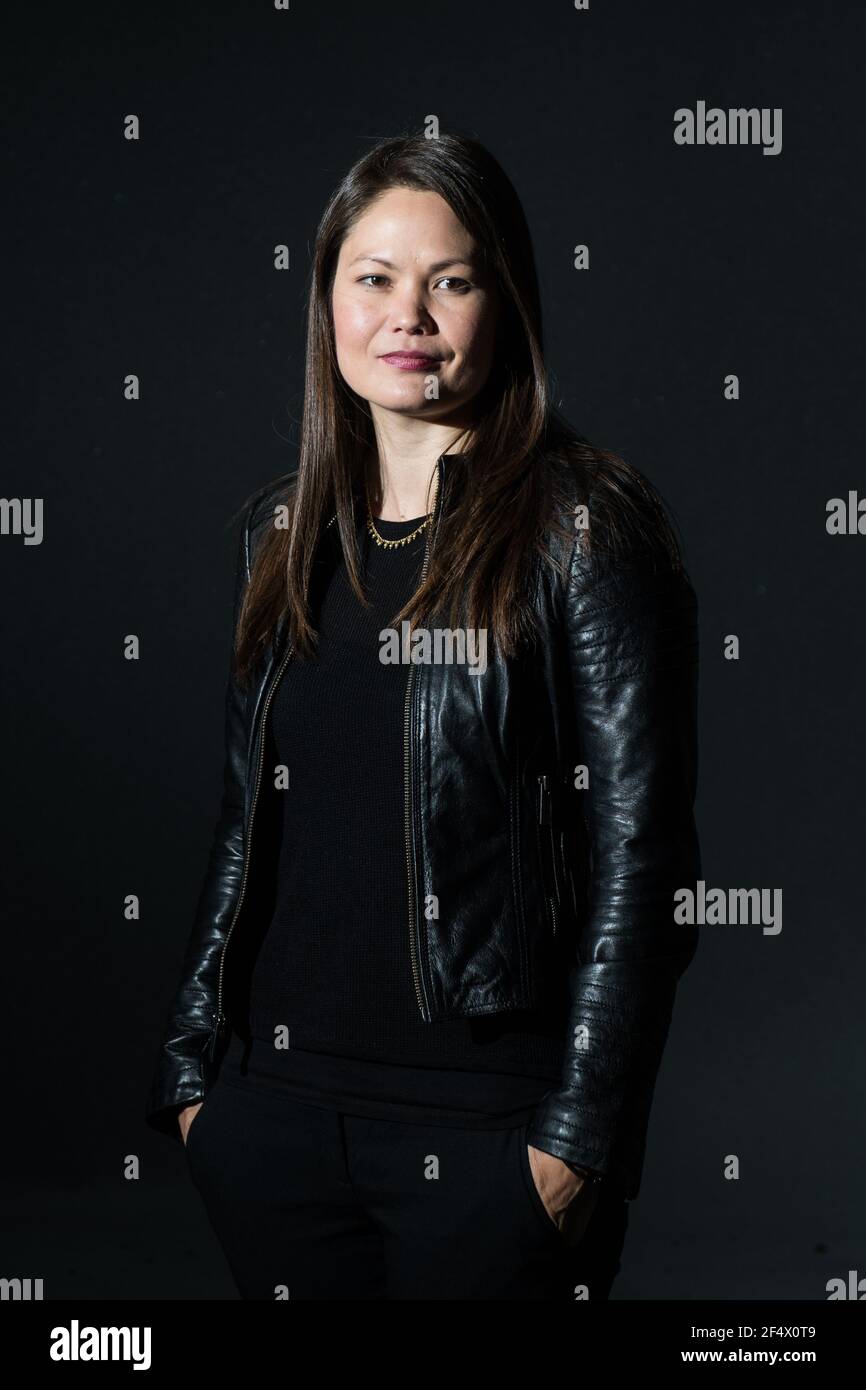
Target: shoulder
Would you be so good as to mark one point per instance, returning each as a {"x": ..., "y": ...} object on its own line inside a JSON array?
[
  {"x": 624, "y": 593},
  {"x": 259, "y": 509},
  {"x": 606, "y": 516}
]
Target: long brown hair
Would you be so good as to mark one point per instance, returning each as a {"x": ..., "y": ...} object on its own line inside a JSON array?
[{"x": 497, "y": 496}]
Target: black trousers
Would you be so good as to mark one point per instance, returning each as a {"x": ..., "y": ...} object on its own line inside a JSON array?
[{"x": 312, "y": 1203}]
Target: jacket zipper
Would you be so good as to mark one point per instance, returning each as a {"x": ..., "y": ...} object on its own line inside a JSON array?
[
  {"x": 568, "y": 877},
  {"x": 407, "y": 767},
  {"x": 220, "y": 1019},
  {"x": 545, "y": 817}
]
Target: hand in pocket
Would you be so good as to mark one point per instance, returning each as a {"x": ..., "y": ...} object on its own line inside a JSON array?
[
  {"x": 186, "y": 1117},
  {"x": 568, "y": 1198}
]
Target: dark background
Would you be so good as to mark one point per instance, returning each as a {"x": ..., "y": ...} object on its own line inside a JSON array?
[{"x": 156, "y": 257}]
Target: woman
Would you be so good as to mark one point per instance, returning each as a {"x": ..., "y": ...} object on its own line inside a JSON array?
[{"x": 431, "y": 973}]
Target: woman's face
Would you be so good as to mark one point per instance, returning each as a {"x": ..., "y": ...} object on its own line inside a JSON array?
[{"x": 414, "y": 314}]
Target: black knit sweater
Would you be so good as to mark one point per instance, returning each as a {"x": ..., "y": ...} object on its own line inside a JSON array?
[{"x": 334, "y": 967}]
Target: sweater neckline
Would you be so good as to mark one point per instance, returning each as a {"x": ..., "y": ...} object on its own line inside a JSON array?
[{"x": 396, "y": 528}]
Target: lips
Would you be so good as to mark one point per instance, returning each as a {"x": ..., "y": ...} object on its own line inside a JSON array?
[{"x": 410, "y": 361}]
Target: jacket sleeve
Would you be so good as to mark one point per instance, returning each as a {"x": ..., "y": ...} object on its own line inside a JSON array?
[
  {"x": 180, "y": 1077},
  {"x": 632, "y": 653}
]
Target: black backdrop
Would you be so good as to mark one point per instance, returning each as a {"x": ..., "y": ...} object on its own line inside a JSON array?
[{"x": 155, "y": 257}]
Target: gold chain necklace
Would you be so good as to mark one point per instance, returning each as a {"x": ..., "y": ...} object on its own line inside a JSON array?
[
  {"x": 403, "y": 540},
  {"x": 392, "y": 544}
]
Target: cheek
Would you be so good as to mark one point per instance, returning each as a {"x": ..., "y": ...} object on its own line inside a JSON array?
[
  {"x": 354, "y": 324},
  {"x": 473, "y": 337}
]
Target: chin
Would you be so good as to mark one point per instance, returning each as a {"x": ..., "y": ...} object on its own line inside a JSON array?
[{"x": 408, "y": 402}]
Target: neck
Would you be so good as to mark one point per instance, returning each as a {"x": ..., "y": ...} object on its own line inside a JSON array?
[{"x": 403, "y": 471}]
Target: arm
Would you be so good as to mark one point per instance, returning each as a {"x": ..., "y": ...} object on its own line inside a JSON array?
[
  {"x": 632, "y": 648},
  {"x": 180, "y": 1077}
]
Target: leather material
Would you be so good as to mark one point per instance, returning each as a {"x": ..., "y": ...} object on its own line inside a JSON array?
[{"x": 534, "y": 882}]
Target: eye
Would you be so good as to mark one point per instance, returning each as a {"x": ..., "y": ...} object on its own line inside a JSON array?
[{"x": 455, "y": 284}]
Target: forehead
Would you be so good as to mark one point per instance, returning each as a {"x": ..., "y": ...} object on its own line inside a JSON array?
[{"x": 405, "y": 220}]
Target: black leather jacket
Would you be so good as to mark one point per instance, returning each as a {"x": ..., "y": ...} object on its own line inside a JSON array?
[{"x": 539, "y": 882}]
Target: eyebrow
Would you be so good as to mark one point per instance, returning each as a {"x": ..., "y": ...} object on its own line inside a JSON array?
[{"x": 440, "y": 265}]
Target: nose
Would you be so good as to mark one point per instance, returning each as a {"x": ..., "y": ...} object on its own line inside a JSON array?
[{"x": 409, "y": 310}]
